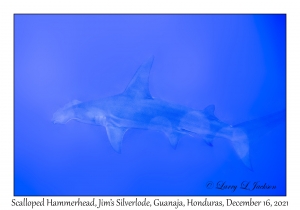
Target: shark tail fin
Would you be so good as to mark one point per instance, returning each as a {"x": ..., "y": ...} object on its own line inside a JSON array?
[
  {"x": 241, "y": 134},
  {"x": 240, "y": 142}
]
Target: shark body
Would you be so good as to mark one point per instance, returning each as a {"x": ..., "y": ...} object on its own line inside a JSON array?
[{"x": 136, "y": 108}]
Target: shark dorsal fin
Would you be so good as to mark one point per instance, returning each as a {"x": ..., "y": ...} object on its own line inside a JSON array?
[
  {"x": 210, "y": 110},
  {"x": 139, "y": 85}
]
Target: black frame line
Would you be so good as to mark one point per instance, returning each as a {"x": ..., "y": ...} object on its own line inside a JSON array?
[{"x": 17, "y": 14}]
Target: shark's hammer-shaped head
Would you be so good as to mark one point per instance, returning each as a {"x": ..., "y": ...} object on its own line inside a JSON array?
[{"x": 63, "y": 115}]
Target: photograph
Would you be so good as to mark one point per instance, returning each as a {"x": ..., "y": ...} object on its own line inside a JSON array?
[{"x": 149, "y": 105}]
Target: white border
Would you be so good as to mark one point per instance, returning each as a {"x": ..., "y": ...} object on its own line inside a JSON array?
[{"x": 8, "y": 8}]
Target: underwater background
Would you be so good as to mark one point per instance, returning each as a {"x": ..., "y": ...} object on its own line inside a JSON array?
[{"x": 236, "y": 62}]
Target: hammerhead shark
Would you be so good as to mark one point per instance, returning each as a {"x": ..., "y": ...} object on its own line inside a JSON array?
[{"x": 136, "y": 108}]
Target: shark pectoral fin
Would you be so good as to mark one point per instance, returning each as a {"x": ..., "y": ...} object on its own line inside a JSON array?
[
  {"x": 139, "y": 85},
  {"x": 173, "y": 138},
  {"x": 115, "y": 136}
]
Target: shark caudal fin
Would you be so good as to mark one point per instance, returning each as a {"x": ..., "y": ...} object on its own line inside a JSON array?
[{"x": 241, "y": 134}]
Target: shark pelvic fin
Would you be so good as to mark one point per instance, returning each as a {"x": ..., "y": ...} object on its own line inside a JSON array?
[
  {"x": 115, "y": 136},
  {"x": 210, "y": 109},
  {"x": 173, "y": 138},
  {"x": 208, "y": 139},
  {"x": 139, "y": 85}
]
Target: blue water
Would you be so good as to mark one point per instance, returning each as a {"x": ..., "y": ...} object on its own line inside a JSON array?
[{"x": 236, "y": 62}]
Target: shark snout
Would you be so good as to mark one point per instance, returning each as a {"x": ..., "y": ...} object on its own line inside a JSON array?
[{"x": 53, "y": 120}]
